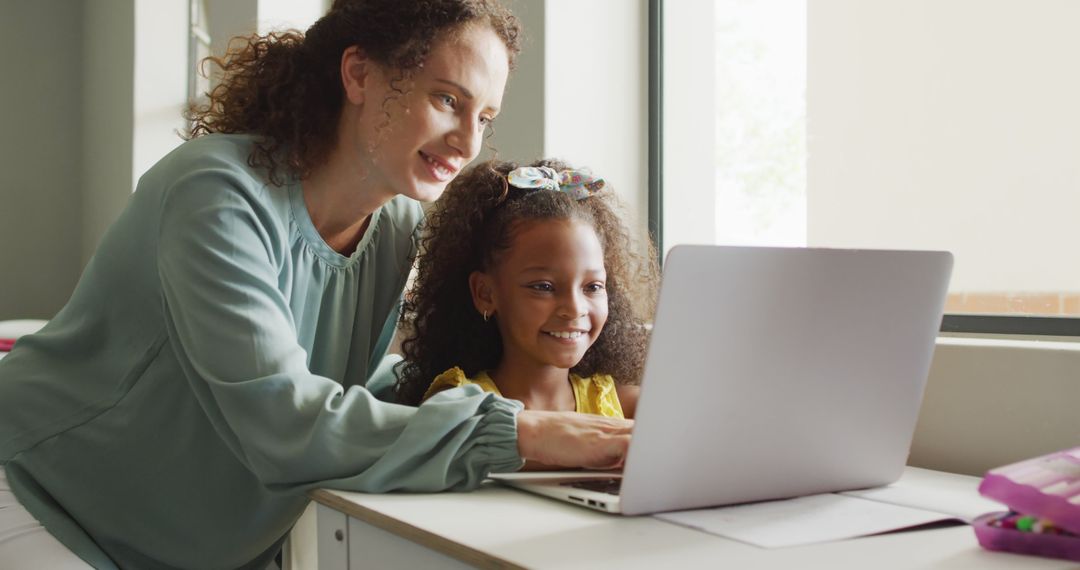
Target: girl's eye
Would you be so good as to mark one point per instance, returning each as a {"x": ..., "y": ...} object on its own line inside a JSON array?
[
  {"x": 546, "y": 287},
  {"x": 594, "y": 287}
]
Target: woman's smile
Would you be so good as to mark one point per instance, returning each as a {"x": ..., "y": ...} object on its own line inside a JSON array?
[{"x": 440, "y": 169}]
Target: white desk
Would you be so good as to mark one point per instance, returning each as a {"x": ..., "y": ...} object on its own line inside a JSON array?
[
  {"x": 18, "y": 328},
  {"x": 495, "y": 527}
]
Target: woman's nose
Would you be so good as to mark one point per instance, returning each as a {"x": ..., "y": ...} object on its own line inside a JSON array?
[{"x": 466, "y": 138}]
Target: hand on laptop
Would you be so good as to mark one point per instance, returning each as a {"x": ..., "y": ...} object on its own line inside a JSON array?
[{"x": 571, "y": 439}]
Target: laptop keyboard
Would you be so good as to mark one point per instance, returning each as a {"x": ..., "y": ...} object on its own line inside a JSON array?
[{"x": 610, "y": 486}]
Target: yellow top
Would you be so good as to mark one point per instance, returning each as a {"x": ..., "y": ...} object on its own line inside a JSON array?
[{"x": 594, "y": 395}]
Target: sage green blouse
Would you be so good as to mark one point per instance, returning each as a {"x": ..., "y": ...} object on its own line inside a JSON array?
[{"x": 216, "y": 361}]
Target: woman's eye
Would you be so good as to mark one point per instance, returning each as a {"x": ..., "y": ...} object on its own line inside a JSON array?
[{"x": 445, "y": 99}]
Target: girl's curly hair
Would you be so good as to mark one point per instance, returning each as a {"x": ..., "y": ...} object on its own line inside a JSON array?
[
  {"x": 470, "y": 227},
  {"x": 285, "y": 87}
]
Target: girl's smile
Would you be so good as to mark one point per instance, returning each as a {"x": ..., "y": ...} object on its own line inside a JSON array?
[{"x": 568, "y": 335}]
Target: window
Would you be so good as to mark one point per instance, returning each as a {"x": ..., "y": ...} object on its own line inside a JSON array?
[
  {"x": 199, "y": 48},
  {"x": 919, "y": 124},
  {"x": 213, "y": 24}
]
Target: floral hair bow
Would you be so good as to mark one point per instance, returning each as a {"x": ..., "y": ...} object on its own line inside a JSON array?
[{"x": 579, "y": 184}]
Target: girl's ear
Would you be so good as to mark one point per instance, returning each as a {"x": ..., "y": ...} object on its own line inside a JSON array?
[
  {"x": 483, "y": 292},
  {"x": 356, "y": 70}
]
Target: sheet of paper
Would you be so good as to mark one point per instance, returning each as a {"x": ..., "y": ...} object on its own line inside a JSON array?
[
  {"x": 803, "y": 520},
  {"x": 951, "y": 494}
]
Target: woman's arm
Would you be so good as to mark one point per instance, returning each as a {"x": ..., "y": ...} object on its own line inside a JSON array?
[
  {"x": 570, "y": 439},
  {"x": 232, "y": 333}
]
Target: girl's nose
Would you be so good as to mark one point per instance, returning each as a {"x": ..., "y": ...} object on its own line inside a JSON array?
[{"x": 572, "y": 307}]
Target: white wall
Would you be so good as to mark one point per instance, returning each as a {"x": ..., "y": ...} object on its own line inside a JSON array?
[
  {"x": 990, "y": 402},
  {"x": 519, "y": 129},
  {"x": 949, "y": 125},
  {"x": 580, "y": 93},
  {"x": 160, "y": 82},
  {"x": 596, "y": 92},
  {"x": 108, "y": 65},
  {"x": 286, "y": 14},
  {"x": 928, "y": 124},
  {"x": 71, "y": 135},
  {"x": 689, "y": 146},
  {"x": 229, "y": 18},
  {"x": 40, "y": 155},
  {"x": 134, "y": 73}
]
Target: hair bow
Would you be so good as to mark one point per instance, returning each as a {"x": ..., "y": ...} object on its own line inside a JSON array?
[{"x": 579, "y": 184}]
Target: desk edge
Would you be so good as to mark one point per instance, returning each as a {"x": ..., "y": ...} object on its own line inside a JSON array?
[{"x": 411, "y": 533}]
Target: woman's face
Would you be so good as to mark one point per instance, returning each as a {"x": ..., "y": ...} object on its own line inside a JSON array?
[{"x": 414, "y": 136}]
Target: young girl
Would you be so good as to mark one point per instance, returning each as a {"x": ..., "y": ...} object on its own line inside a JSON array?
[{"x": 529, "y": 286}]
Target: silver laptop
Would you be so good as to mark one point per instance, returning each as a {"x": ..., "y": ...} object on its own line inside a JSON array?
[{"x": 773, "y": 373}]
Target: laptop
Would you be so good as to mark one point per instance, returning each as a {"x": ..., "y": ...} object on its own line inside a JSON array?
[{"x": 772, "y": 373}]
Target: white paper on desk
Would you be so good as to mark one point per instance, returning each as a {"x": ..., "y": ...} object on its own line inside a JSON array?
[
  {"x": 934, "y": 491},
  {"x": 803, "y": 520}
]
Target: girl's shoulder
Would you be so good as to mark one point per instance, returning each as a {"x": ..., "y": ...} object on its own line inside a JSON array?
[
  {"x": 600, "y": 381},
  {"x": 456, "y": 377},
  {"x": 597, "y": 394}
]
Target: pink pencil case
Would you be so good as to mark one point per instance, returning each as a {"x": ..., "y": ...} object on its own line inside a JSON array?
[{"x": 1043, "y": 495}]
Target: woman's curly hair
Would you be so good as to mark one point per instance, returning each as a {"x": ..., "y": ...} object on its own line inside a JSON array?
[
  {"x": 471, "y": 226},
  {"x": 285, "y": 87}
]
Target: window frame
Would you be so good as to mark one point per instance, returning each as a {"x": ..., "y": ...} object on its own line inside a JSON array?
[{"x": 198, "y": 37}]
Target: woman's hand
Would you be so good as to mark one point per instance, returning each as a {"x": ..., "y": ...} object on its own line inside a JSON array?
[{"x": 571, "y": 439}]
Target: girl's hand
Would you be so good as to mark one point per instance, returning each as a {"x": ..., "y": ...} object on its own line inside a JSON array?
[{"x": 570, "y": 439}]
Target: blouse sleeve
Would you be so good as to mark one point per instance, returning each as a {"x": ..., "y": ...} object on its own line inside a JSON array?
[
  {"x": 450, "y": 379},
  {"x": 233, "y": 334},
  {"x": 605, "y": 396}
]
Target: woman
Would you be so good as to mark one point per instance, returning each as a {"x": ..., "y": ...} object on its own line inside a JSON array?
[{"x": 221, "y": 354}]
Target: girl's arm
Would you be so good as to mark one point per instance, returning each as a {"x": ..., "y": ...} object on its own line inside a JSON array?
[{"x": 628, "y": 397}]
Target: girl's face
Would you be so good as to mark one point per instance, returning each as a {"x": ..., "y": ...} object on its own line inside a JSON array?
[
  {"x": 547, "y": 293},
  {"x": 414, "y": 143}
]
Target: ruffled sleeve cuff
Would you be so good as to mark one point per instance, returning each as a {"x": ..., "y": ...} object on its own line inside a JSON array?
[{"x": 497, "y": 433}]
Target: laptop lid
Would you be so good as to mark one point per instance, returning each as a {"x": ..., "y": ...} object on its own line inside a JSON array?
[{"x": 778, "y": 372}]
